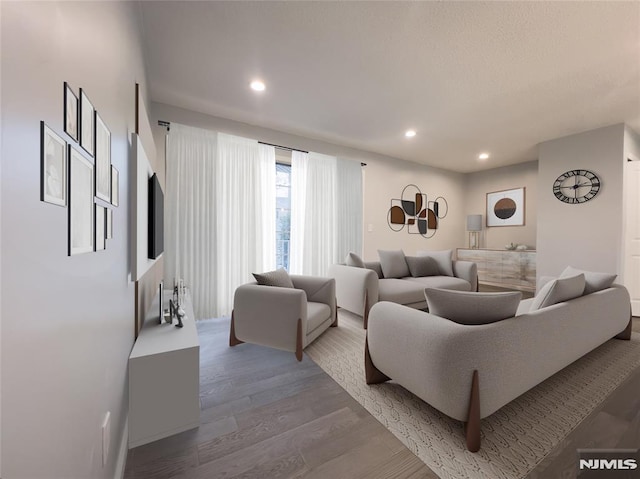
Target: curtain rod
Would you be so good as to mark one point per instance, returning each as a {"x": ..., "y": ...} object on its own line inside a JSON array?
[
  {"x": 288, "y": 148},
  {"x": 167, "y": 125}
]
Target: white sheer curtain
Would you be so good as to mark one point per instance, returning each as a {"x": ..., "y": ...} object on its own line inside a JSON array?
[
  {"x": 220, "y": 214},
  {"x": 246, "y": 219},
  {"x": 326, "y": 211},
  {"x": 190, "y": 214}
]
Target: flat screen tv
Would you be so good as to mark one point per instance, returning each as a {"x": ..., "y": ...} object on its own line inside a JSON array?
[{"x": 156, "y": 218}]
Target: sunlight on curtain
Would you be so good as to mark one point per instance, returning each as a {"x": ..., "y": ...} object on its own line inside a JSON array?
[
  {"x": 326, "y": 211},
  {"x": 220, "y": 220}
]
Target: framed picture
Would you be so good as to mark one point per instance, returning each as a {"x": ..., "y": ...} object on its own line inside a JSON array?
[
  {"x": 109, "y": 232},
  {"x": 70, "y": 112},
  {"x": 100, "y": 229},
  {"x": 86, "y": 123},
  {"x": 53, "y": 167},
  {"x": 115, "y": 188},
  {"x": 81, "y": 205},
  {"x": 506, "y": 208},
  {"x": 103, "y": 159}
]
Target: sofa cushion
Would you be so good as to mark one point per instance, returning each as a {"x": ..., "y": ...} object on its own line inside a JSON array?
[
  {"x": 354, "y": 260},
  {"x": 593, "y": 281},
  {"x": 393, "y": 263},
  {"x": 557, "y": 291},
  {"x": 374, "y": 266},
  {"x": 422, "y": 266},
  {"x": 279, "y": 277},
  {"x": 400, "y": 291},
  {"x": 442, "y": 258},
  {"x": 317, "y": 313},
  {"x": 471, "y": 307},
  {"x": 442, "y": 282}
]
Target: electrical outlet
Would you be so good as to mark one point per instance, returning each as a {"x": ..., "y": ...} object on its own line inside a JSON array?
[
  {"x": 370, "y": 228},
  {"x": 106, "y": 437}
]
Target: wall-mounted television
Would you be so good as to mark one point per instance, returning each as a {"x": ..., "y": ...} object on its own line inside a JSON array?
[{"x": 156, "y": 218}]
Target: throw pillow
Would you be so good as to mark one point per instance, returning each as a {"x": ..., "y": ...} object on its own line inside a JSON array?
[
  {"x": 393, "y": 263},
  {"x": 472, "y": 308},
  {"x": 354, "y": 260},
  {"x": 593, "y": 281},
  {"x": 442, "y": 258},
  {"x": 420, "y": 266},
  {"x": 279, "y": 277},
  {"x": 557, "y": 291}
]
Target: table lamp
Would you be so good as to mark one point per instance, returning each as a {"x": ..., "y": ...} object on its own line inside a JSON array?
[{"x": 474, "y": 226}]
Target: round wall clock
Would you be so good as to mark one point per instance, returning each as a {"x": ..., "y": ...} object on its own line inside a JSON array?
[{"x": 576, "y": 186}]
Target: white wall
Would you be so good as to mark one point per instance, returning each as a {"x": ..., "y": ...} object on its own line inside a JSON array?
[
  {"x": 384, "y": 179},
  {"x": 477, "y": 185},
  {"x": 588, "y": 235},
  {"x": 68, "y": 327}
]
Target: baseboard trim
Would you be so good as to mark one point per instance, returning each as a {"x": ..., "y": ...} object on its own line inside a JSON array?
[{"x": 122, "y": 452}]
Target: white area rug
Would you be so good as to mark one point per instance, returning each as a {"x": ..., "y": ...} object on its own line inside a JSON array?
[{"x": 514, "y": 439}]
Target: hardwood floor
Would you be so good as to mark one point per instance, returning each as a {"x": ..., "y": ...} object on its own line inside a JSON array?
[{"x": 265, "y": 415}]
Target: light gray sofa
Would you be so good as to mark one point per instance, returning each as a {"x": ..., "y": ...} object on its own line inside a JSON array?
[
  {"x": 470, "y": 371},
  {"x": 284, "y": 318},
  {"x": 358, "y": 289}
]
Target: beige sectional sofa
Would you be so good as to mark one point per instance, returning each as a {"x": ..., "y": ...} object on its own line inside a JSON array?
[
  {"x": 470, "y": 371},
  {"x": 358, "y": 288}
]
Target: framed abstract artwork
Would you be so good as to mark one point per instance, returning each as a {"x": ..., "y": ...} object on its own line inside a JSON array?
[
  {"x": 102, "y": 155},
  {"x": 86, "y": 123},
  {"x": 81, "y": 204},
  {"x": 506, "y": 208},
  {"x": 70, "y": 112},
  {"x": 53, "y": 167}
]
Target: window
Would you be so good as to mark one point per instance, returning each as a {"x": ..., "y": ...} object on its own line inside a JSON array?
[{"x": 283, "y": 214}]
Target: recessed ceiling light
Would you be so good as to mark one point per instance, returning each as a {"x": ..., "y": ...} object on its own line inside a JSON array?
[
  {"x": 410, "y": 133},
  {"x": 483, "y": 156},
  {"x": 257, "y": 85}
]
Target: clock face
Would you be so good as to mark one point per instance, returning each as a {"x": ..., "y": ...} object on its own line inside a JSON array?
[{"x": 576, "y": 186}]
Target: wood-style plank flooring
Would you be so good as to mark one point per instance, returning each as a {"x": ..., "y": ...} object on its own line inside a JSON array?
[{"x": 264, "y": 415}]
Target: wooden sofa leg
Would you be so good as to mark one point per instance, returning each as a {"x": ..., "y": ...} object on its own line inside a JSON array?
[
  {"x": 372, "y": 374},
  {"x": 365, "y": 315},
  {"x": 335, "y": 320},
  {"x": 299, "y": 341},
  {"x": 233, "y": 340},
  {"x": 626, "y": 334},
  {"x": 472, "y": 426}
]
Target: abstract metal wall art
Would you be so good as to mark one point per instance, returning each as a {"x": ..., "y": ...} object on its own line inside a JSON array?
[{"x": 414, "y": 210}]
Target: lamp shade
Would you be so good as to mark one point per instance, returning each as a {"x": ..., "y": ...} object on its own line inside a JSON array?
[{"x": 474, "y": 222}]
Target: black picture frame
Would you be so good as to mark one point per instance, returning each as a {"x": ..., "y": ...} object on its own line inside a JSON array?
[
  {"x": 115, "y": 186},
  {"x": 71, "y": 116},
  {"x": 81, "y": 211},
  {"x": 102, "y": 156},
  {"x": 100, "y": 231},
  {"x": 87, "y": 123},
  {"x": 54, "y": 165},
  {"x": 109, "y": 227}
]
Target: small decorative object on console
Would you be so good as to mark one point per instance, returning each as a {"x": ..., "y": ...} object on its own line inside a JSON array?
[{"x": 510, "y": 246}]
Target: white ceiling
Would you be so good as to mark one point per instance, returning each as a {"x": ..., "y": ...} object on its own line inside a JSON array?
[{"x": 468, "y": 77}]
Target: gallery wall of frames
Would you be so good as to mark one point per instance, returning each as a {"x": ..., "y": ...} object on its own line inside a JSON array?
[{"x": 78, "y": 174}]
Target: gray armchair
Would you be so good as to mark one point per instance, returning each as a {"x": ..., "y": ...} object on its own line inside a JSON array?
[{"x": 284, "y": 318}]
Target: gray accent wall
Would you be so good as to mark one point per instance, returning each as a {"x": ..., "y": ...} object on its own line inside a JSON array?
[
  {"x": 478, "y": 184},
  {"x": 589, "y": 235},
  {"x": 67, "y": 322}
]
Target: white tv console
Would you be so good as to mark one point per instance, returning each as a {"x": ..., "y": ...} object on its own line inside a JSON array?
[{"x": 164, "y": 377}]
